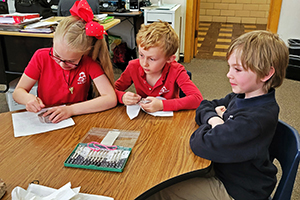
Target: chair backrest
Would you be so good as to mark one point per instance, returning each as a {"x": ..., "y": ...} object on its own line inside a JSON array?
[
  {"x": 3, "y": 7},
  {"x": 285, "y": 147},
  {"x": 43, "y": 7},
  {"x": 64, "y": 7},
  {"x": 181, "y": 94}
]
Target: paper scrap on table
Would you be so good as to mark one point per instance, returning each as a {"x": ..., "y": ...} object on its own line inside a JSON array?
[
  {"x": 133, "y": 111},
  {"x": 40, "y": 192},
  {"x": 28, "y": 123},
  {"x": 110, "y": 137}
]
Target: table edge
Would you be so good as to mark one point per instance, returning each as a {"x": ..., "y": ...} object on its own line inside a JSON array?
[{"x": 174, "y": 180}]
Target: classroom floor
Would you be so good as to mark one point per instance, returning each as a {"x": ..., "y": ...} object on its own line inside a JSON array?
[{"x": 214, "y": 37}]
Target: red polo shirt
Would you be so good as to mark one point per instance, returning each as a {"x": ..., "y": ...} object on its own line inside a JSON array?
[
  {"x": 54, "y": 82},
  {"x": 173, "y": 77}
]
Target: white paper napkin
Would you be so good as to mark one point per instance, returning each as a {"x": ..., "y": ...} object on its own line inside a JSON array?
[
  {"x": 40, "y": 192},
  {"x": 133, "y": 111}
]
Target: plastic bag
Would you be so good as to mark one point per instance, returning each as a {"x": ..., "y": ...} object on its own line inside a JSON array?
[{"x": 40, "y": 192}]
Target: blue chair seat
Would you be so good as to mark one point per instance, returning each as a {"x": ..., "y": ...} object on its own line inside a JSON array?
[{"x": 285, "y": 147}]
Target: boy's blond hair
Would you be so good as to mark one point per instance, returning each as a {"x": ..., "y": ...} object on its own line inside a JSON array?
[
  {"x": 158, "y": 34},
  {"x": 259, "y": 51},
  {"x": 72, "y": 30}
]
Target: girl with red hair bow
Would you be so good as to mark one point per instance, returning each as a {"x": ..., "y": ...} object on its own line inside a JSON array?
[{"x": 64, "y": 72}]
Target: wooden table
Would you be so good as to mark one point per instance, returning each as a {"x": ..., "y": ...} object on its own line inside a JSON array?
[{"x": 160, "y": 157}]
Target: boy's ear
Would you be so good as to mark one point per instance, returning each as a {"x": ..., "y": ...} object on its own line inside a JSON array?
[
  {"x": 171, "y": 58},
  {"x": 267, "y": 77}
]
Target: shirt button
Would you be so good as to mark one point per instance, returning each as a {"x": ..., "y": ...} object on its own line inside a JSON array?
[{"x": 149, "y": 88}]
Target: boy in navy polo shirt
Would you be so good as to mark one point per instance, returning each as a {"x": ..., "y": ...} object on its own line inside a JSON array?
[{"x": 236, "y": 131}]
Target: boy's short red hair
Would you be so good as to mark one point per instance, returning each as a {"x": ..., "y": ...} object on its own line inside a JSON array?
[{"x": 158, "y": 34}]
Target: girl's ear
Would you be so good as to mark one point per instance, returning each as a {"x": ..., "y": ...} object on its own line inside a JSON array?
[
  {"x": 268, "y": 76},
  {"x": 171, "y": 58}
]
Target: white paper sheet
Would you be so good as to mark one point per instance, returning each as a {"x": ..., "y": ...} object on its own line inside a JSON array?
[
  {"x": 133, "y": 111},
  {"x": 28, "y": 123}
]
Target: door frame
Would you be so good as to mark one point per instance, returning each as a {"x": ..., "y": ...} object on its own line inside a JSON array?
[
  {"x": 274, "y": 15},
  {"x": 191, "y": 26},
  {"x": 192, "y": 20}
]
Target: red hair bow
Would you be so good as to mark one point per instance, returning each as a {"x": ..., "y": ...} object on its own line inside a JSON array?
[{"x": 83, "y": 10}]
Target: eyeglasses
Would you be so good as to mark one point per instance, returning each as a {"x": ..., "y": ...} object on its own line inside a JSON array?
[{"x": 58, "y": 60}]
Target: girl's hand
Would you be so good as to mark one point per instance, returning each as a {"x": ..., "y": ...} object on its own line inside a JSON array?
[
  {"x": 130, "y": 98},
  {"x": 35, "y": 105},
  {"x": 154, "y": 105},
  {"x": 59, "y": 113},
  {"x": 220, "y": 110}
]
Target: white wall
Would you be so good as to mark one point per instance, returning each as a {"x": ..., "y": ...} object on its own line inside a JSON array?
[{"x": 289, "y": 26}]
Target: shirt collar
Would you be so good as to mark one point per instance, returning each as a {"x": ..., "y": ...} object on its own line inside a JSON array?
[{"x": 255, "y": 101}]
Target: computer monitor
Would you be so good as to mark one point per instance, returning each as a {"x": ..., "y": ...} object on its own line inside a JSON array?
[
  {"x": 112, "y": 2},
  {"x": 112, "y": 5},
  {"x": 54, "y": 2}
]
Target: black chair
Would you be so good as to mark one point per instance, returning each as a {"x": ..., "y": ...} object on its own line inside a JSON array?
[
  {"x": 3, "y": 7},
  {"x": 65, "y": 5},
  {"x": 43, "y": 7},
  {"x": 285, "y": 147},
  {"x": 181, "y": 94}
]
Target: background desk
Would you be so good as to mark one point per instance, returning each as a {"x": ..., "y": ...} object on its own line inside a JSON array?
[
  {"x": 124, "y": 30},
  {"x": 127, "y": 15},
  {"x": 160, "y": 156},
  {"x": 17, "y": 49}
]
